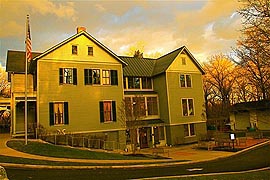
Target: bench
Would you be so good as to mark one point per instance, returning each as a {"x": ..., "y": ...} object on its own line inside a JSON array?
[
  {"x": 157, "y": 151},
  {"x": 209, "y": 145}
]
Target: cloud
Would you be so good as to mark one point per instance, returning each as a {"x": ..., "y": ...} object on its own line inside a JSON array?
[{"x": 13, "y": 14}]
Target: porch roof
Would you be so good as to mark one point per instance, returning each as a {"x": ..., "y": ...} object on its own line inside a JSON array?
[{"x": 145, "y": 123}]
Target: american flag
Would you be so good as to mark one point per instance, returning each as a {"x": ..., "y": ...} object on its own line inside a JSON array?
[{"x": 28, "y": 42}]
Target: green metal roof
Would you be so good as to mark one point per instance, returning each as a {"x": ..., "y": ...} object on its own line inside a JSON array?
[
  {"x": 16, "y": 61},
  {"x": 139, "y": 67},
  {"x": 151, "y": 67},
  {"x": 165, "y": 61}
]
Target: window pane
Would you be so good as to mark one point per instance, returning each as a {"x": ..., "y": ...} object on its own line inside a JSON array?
[
  {"x": 74, "y": 49},
  {"x": 192, "y": 129},
  {"x": 130, "y": 83},
  {"x": 183, "y": 61},
  {"x": 58, "y": 113},
  {"x": 184, "y": 107},
  {"x": 96, "y": 76},
  {"x": 152, "y": 106},
  {"x": 137, "y": 83},
  {"x": 139, "y": 106},
  {"x": 190, "y": 107},
  {"x": 67, "y": 76},
  {"x": 128, "y": 107},
  {"x": 90, "y": 51},
  {"x": 186, "y": 133},
  {"x": 188, "y": 80},
  {"x": 146, "y": 83},
  {"x": 107, "y": 108},
  {"x": 182, "y": 80},
  {"x": 106, "y": 77}
]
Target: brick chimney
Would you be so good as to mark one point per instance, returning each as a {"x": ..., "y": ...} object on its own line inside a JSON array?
[{"x": 80, "y": 29}]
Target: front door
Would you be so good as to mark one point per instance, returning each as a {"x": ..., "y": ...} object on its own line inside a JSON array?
[{"x": 143, "y": 138}]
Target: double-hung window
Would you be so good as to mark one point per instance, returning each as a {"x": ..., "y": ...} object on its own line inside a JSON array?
[
  {"x": 90, "y": 51},
  {"x": 187, "y": 107},
  {"x": 107, "y": 111},
  {"x": 105, "y": 77},
  {"x": 68, "y": 76},
  {"x": 58, "y": 113},
  {"x": 189, "y": 129},
  {"x": 152, "y": 108},
  {"x": 185, "y": 80},
  {"x": 133, "y": 83},
  {"x": 94, "y": 76},
  {"x": 74, "y": 49}
]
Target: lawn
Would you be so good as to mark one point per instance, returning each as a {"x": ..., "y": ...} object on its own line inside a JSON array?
[{"x": 45, "y": 149}]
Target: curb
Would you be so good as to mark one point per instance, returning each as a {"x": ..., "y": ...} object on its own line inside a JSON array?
[{"x": 157, "y": 164}]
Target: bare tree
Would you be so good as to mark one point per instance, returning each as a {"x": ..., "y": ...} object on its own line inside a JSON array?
[
  {"x": 218, "y": 87},
  {"x": 131, "y": 111},
  {"x": 4, "y": 84},
  {"x": 253, "y": 48}
]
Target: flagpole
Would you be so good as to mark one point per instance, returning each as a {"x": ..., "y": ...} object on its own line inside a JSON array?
[{"x": 26, "y": 79}]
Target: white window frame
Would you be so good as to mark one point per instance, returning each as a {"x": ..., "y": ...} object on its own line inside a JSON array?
[
  {"x": 188, "y": 110},
  {"x": 185, "y": 78},
  {"x": 136, "y": 89},
  {"x": 189, "y": 130}
]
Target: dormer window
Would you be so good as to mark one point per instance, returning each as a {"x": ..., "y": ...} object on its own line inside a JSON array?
[
  {"x": 74, "y": 49},
  {"x": 90, "y": 51}
]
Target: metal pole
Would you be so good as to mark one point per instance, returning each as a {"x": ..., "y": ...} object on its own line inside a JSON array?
[{"x": 25, "y": 91}]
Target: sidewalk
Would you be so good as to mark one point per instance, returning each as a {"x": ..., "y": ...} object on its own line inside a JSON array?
[{"x": 185, "y": 153}]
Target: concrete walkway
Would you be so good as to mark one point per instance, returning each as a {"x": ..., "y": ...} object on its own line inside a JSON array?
[{"x": 185, "y": 152}]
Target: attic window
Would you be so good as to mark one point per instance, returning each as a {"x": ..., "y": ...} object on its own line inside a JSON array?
[
  {"x": 90, "y": 51},
  {"x": 74, "y": 49},
  {"x": 184, "y": 61}
]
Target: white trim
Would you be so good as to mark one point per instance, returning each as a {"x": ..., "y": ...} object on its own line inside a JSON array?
[
  {"x": 185, "y": 76},
  {"x": 95, "y": 131},
  {"x": 191, "y": 122},
  {"x": 168, "y": 97},
  {"x": 193, "y": 103}
]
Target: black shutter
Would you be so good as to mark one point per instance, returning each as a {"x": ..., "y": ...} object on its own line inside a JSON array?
[
  {"x": 101, "y": 110},
  {"x": 74, "y": 76},
  {"x": 51, "y": 112},
  {"x": 61, "y": 76},
  {"x": 114, "y": 77},
  {"x": 114, "y": 110},
  {"x": 66, "y": 118},
  {"x": 86, "y": 76}
]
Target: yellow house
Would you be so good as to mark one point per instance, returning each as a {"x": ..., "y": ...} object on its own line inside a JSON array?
[{"x": 79, "y": 85}]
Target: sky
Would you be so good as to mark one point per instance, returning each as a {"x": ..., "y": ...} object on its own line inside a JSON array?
[{"x": 205, "y": 27}]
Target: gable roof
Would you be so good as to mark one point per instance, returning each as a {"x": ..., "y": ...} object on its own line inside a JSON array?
[
  {"x": 163, "y": 63},
  {"x": 151, "y": 67},
  {"x": 139, "y": 67},
  {"x": 252, "y": 105},
  {"x": 75, "y": 36},
  {"x": 16, "y": 61}
]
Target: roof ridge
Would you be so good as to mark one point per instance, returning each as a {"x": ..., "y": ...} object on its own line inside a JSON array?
[{"x": 171, "y": 52}]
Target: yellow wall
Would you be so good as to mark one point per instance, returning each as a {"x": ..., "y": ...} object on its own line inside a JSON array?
[
  {"x": 83, "y": 100},
  {"x": 177, "y": 66}
]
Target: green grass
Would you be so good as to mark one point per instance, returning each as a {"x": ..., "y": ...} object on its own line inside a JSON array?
[
  {"x": 260, "y": 175},
  {"x": 19, "y": 160},
  {"x": 45, "y": 149}
]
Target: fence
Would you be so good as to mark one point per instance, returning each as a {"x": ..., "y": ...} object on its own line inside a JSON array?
[{"x": 82, "y": 141}]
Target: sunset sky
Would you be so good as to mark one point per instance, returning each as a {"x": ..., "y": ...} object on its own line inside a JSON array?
[{"x": 206, "y": 27}]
